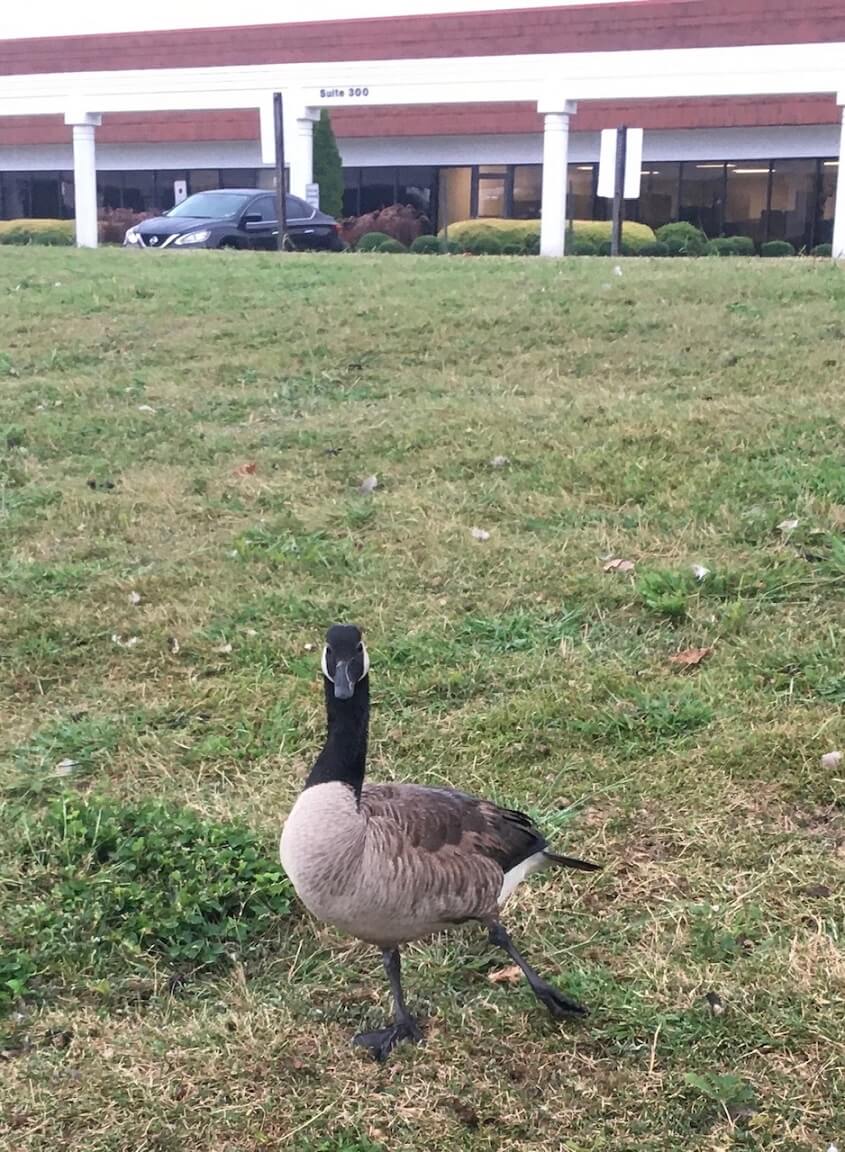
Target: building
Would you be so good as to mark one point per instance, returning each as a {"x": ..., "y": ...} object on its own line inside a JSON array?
[{"x": 757, "y": 165}]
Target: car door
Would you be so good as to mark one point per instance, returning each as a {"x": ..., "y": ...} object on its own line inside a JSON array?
[
  {"x": 300, "y": 221},
  {"x": 261, "y": 232}
]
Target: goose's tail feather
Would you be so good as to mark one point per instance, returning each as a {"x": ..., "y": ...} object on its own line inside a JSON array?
[{"x": 571, "y": 862}]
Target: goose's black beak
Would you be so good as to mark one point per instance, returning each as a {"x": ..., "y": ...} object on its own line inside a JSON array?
[{"x": 344, "y": 685}]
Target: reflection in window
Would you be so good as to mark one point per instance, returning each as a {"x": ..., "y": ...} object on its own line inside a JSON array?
[
  {"x": 492, "y": 195},
  {"x": 791, "y": 207},
  {"x": 203, "y": 180},
  {"x": 746, "y": 200},
  {"x": 702, "y": 195},
  {"x": 416, "y": 187},
  {"x": 454, "y": 195},
  {"x": 826, "y": 202},
  {"x": 527, "y": 191},
  {"x": 580, "y": 196},
  {"x": 659, "y": 194}
]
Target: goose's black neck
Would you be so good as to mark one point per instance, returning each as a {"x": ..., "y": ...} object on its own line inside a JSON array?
[{"x": 344, "y": 754}]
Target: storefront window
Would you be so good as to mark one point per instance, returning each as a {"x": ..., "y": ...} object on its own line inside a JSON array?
[
  {"x": 454, "y": 196},
  {"x": 416, "y": 187},
  {"x": 747, "y": 199},
  {"x": 792, "y": 205},
  {"x": 659, "y": 194},
  {"x": 527, "y": 191},
  {"x": 702, "y": 195}
]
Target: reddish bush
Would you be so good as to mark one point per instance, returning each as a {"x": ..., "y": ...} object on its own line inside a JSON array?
[
  {"x": 113, "y": 222},
  {"x": 401, "y": 221}
]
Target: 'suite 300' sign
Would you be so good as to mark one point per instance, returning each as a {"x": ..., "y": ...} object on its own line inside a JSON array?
[{"x": 342, "y": 93}]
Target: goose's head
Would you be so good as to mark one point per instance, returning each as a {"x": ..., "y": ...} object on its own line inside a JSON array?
[{"x": 345, "y": 659}]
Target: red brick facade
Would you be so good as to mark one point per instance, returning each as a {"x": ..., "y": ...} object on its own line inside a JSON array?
[{"x": 640, "y": 25}]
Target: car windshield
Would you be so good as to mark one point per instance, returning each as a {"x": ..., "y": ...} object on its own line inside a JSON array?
[{"x": 211, "y": 205}]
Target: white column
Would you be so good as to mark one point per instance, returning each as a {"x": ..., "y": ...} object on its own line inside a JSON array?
[
  {"x": 85, "y": 125},
  {"x": 301, "y": 151},
  {"x": 555, "y": 156},
  {"x": 839, "y": 206}
]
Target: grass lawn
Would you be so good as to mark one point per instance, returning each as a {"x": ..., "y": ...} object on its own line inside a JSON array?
[{"x": 182, "y": 441}]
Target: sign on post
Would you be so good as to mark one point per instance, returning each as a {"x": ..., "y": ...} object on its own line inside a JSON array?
[
  {"x": 312, "y": 195},
  {"x": 180, "y": 191},
  {"x": 633, "y": 162},
  {"x": 620, "y": 169}
]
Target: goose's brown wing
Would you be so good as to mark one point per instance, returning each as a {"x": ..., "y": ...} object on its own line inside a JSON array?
[{"x": 440, "y": 821}]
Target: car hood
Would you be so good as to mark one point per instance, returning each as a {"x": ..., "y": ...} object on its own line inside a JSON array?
[{"x": 173, "y": 225}]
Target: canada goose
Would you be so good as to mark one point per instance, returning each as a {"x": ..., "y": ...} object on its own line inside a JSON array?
[{"x": 391, "y": 863}]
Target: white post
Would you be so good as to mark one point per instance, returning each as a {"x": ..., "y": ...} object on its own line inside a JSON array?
[
  {"x": 553, "y": 203},
  {"x": 84, "y": 176},
  {"x": 301, "y": 151},
  {"x": 839, "y": 204}
]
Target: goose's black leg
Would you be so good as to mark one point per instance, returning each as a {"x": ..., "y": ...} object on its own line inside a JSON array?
[
  {"x": 381, "y": 1043},
  {"x": 558, "y": 1004}
]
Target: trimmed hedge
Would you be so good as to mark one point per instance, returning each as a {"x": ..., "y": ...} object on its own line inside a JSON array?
[
  {"x": 51, "y": 232},
  {"x": 493, "y": 236},
  {"x": 683, "y": 239},
  {"x": 428, "y": 246},
  {"x": 731, "y": 246},
  {"x": 391, "y": 245},
  {"x": 822, "y": 250},
  {"x": 658, "y": 248},
  {"x": 371, "y": 241},
  {"x": 777, "y": 248}
]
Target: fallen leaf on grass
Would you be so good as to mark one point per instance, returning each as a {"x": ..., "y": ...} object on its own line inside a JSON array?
[
  {"x": 700, "y": 572},
  {"x": 129, "y": 642},
  {"x": 65, "y": 767},
  {"x": 245, "y": 469},
  {"x": 173, "y": 645},
  {"x": 690, "y": 657},
  {"x": 368, "y": 485},
  {"x": 135, "y": 598},
  {"x": 223, "y": 649},
  {"x": 499, "y": 462},
  {"x": 146, "y": 408},
  {"x": 509, "y": 975},
  {"x": 480, "y": 534},
  {"x": 832, "y": 760},
  {"x": 787, "y": 525},
  {"x": 618, "y": 565}
]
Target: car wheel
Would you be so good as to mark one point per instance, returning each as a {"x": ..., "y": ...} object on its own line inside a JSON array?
[{"x": 228, "y": 244}]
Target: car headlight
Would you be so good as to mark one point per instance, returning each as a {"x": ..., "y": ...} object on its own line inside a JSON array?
[
  {"x": 131, "y": 236},
  {"x": 193, "y": 237}
]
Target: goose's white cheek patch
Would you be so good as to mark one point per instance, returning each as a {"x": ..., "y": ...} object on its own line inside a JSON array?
[{"x": 520, "y": 872}]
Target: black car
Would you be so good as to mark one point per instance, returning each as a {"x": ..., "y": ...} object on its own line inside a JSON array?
[{"x": 235, "y": 218}]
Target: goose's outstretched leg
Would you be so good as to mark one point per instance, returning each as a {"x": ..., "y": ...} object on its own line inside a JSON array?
[
  {"x": 558, "y": 1004},
  {"x": 381, "y": 1043}
]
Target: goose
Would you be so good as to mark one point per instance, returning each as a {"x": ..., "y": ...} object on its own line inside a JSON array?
[{"x": 393, "y": 863}]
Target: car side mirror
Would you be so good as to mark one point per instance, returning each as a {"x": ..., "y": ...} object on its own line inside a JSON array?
[{"x": 251, "y": 218}]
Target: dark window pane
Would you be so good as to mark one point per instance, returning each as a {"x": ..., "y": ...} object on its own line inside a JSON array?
[
  {"x": 164, "y": 181},
  {"x": 378, "y": 188},
  {"x": 138, "y": 191},
  {"x": 454, "y": 195},
  {"x": 203, "y": 180},
  {"x": 237, "y": 178},
  {"x": 659, "y": 202},
  {"x": 297, "y": 209},
  {"x": 66, "y": 192},
  {"x": 745, "y": 204},
  {"x": 580, "y": 200},
  {"x": 527, "y": 189},
  {"x": 265, "y": 207},
  {"x": 265, "y": 178},
  {"x": 702, "y": 195},
  {"x": 110, "y": 189},
  {"x": 792, "y": 206}
]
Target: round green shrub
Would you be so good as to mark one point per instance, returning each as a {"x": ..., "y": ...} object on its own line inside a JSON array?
[
  {"x": 578, "y": 246},
  {"x": 526, "y": 234},
  {"x": 603, "y": 248},
  {"x": 532, "y": 244},
  {"x": 731, "y": 246},
  {"x": 371, "y": 241},
  {"x": 513, "y": 249},
  {"x": 391, "y": 245},
  {"x": 777, "y": 248},
  {"x": 658, "y": 248},
  {"x": 822, "y": 250},
  {"x": 482, "y": 245},
  {"x": 683, "y": 239},
  {"x": 428, "y": 246}
]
